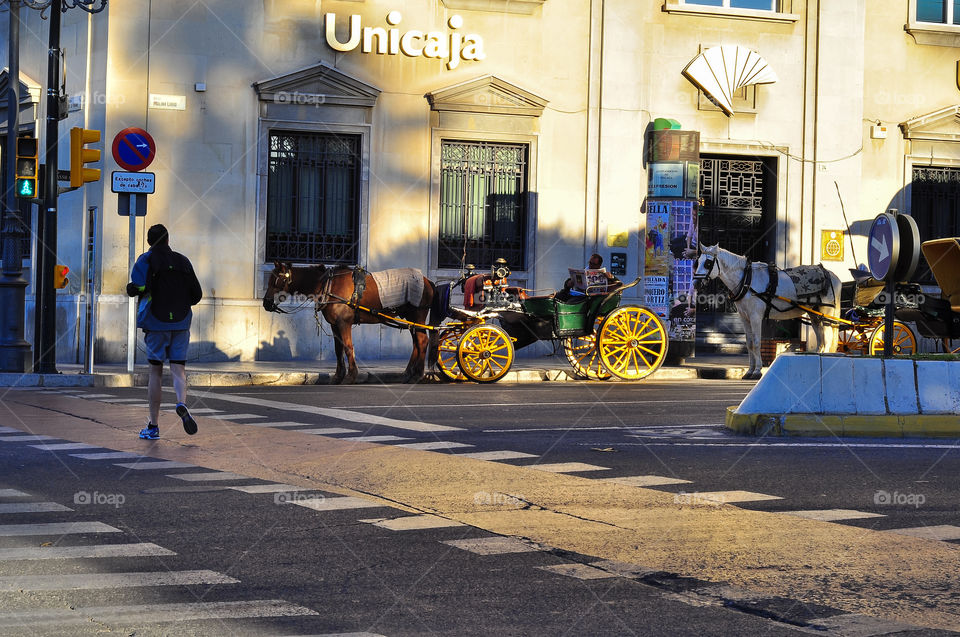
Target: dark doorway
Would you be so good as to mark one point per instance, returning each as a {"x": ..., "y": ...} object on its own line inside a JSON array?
[
  {"x": 935, "y": 206},
  {"x": 738, "y": 202}
]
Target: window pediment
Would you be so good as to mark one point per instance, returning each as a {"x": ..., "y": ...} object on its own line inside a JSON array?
[
  {"x": 942, "y": 125},
  {"x": 523, "y": 7},
  {"x": 488, "y": 94},
  {"x": 29, "y": 91},
  {"x": 316, "y": 85}
]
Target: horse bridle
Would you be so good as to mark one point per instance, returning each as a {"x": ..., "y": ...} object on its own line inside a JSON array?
[
  {"x": 286, "y": 276},
  {"x": 745, "y": 279}
]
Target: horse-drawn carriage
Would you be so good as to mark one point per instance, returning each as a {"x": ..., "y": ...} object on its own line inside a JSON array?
[{"x": 600, "y": 338}]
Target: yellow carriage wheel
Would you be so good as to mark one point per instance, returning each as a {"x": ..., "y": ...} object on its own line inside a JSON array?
[
  {"x": 447, "y": 355},
  {"x": 904, "y": 341},
  {"x": 582, "y": 354},
  {"x": 485, "y": 353},
  {"x": 851, "y": 340},
  {"x": 632, "y": 342}
]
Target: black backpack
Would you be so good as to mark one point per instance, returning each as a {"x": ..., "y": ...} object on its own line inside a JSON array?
[{"x": 173, "y": 286}]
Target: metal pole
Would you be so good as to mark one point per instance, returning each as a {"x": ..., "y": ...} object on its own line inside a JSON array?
[
  {"x": 132, "y": 307},
  {"x": 888, "y": 319},
  {"x": 45, "y": 341},
  {"x": 14, "y": 350},
  {"x": 91, "y": 290}
]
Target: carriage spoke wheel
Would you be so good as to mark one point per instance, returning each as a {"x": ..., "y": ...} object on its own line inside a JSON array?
[
  {"x": 485, "y": 353},
  {"x": 851, "y": 341},
  {"x": 904, "y": 342},
  {"x": 447, "y": 355},
  {"x": 632, "y": 342},
  {"x": 583, "y": 356}
]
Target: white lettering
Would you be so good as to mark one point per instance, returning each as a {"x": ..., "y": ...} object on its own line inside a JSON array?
[
  {"x": 331, "y": 24},
  {"x": 374, "y": 32},
  {"x": 407, "y": 46},
  {"x": 472, "y": 48},
  {"x": 436, "y": 46}
]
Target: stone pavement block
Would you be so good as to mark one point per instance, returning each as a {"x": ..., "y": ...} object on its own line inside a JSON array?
[
  {"x": 934, "y": 389},
  {"x": 901, "y": 386},
  {"x": 836, "y": 396},
  {"x": 868, "y": 388}
]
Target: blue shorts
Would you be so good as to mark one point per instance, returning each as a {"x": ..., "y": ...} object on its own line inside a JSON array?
[{"x": 166, "y": 345}]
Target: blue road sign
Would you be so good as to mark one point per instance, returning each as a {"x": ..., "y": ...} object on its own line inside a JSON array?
[
  {"x": 134, "y": 148},
  {"x": 883, "y": 246}
]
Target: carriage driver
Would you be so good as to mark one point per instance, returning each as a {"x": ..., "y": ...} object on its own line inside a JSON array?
[{"x": 595, "y": 263}]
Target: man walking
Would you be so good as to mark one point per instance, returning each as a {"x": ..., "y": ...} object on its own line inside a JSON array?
[{"x": 167, "y": 286}]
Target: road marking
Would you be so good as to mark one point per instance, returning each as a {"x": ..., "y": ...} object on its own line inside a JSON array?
[
  {"x": 335, "y": 504},
  {"x": 209, "y": 475},
  {"x": 326, "y": 431},
  {"x": 493, "y": 545},
  {"x": 26, "y": 438},
  {"x": 142, "y": 549},
  {"x": 124, "y": 400},
  {"x": 843, "y": 445},
  {"x": 567, "y": 467},
  {"x": 624, "y": 569},
  {"x": 31, "y": 507},
  {"x": 164, "y": 464},
  {"x": 735, "y": 398},
  {"x": 107, "y": 455},
  {"x": 339, "y": 414},
  {"x": 433, "y": 446},
  {"x": 856, "y": 624},
  {"x": 936, "y": 532},
  {"x": 201, "y": 411},
  {"x": 373, "y": 438},
  {"x": 83, "y": 581},
  {"x": 12, "y": 493},
  {"x": 65, "y": 446},
  {"x": 10, "y": 430},
  {"x": 272, "y": 488},
  {"x": 725, "y": 497},
  {"x": 55, "y": 528},
  {"x": 154, "y": 613},
  {"x": 630, "y": 428},
  {"x": 285, "y": 423},
  {"x": 496, "y": 455},
  {"x": 645, "y": 481},
  {"x": 413, "y": 522},
  {"x": 578, "y": 571},
  {"x": 96, "y": 396},
  {"x": 235, "y": 416},
  {"x": 834, "y": 515}
]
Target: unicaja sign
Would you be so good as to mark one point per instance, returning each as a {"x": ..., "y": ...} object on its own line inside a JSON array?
[{"x": 451, "y": 46}]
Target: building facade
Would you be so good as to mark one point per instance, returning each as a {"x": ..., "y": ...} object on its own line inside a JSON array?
[{"x": 436, "y": 133}]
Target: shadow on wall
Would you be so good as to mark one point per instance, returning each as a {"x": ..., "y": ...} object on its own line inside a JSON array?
[{"x": 279, "y": 350}]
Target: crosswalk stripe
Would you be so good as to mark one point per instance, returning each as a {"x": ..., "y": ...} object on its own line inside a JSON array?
[
  {"x": 81, "y": 581},
  {"x": 724, "y": 497},
  {"x": 285, "y": 423},
  {"x": 55, "y": 528},
  {"x": 834, "y": 515},
  {"x": 195, "y": 411},
  {"x": 9, "y": 430},
  {"x": 208, "y": 475},
  {"x": 161, "y": 464},
  {"x": 235, "y": 416},
  {"x": 96, "y": 396},
  {"x": 327, "y": 431},
  {"x": 493, "y": 545},
  {"x": 567, "y": 467},
  {"x": 142, "y": 549},
  {"x": 154, "y": 613},
  {"x": 271, "y": 488},
  {"x": 12, "y": 493},
  {"x": 374, "y": 438},
  {"x": 645, "y": 481},
  {"x": 339, "y": 414},
  {"x": 434, "y": 446},
  {"x": 65, "y": 446},
  {"x": 413, "y": 522},
  {"x": 335, "y": 504},
  {"x": 31, "y": 507},
  {"x": 933, "y": 532},
  {"x": 496, "y": 455},
  {"x": 30, "y": 438},
  {"x": 578, "y": 571},
  {"x": 107, "y": 455},
  {"x": 124, "y": 400}
]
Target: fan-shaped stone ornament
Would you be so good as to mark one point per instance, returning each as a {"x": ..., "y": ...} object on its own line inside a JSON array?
[{"x": 721, "y": 71}]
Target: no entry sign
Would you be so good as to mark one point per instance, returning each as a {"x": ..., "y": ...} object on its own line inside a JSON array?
[{"x": 134, "y": 149}]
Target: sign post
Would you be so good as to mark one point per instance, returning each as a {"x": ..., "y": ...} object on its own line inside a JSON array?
[
  {"x": 133, "y": 149},
  {"x": 893, "y": 252}
]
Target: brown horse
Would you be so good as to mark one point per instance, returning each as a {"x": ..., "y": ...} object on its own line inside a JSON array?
[{"x": 340, "y": 300}]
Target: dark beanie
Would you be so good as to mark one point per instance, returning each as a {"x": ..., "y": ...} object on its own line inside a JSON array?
[{"x": 157, "y": 235}]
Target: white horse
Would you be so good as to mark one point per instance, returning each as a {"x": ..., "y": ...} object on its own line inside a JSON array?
[{"x": 757, "y": 297}]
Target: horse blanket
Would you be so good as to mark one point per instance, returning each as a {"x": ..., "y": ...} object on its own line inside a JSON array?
[
  {"x": 399, "y": 286},
  {"x": 810, "y": 281}
]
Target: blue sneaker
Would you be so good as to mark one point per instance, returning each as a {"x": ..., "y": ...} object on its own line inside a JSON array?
[
  {"x": 189, "y": 424},
  {"x": 150, "y": 432}
]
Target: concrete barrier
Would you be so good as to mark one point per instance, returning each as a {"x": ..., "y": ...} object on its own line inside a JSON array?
[{"x": 836, "y": 395}]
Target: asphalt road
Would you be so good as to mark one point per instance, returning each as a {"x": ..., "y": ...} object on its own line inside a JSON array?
[{"x": 238, "y": 562}]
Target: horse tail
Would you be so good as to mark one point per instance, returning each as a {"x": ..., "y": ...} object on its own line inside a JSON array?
[{"x": 439, "y": 306}]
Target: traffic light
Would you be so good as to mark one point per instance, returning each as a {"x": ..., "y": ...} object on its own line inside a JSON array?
[
  {"x": 79, "y": 156},
  {"x": 60, "y": 279},
  {"x": 26, "y": 184}
]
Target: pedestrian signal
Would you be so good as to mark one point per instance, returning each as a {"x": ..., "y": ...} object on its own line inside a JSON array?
[
  {"x": 80, "y": 137},
  {"x": 60, "y": 279},
  {"x": 26, "y": 177}
]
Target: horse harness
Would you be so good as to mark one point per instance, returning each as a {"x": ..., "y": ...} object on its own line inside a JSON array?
[
  {"x": 805, "y": 281},
  {"x": 359, "y": 276}
]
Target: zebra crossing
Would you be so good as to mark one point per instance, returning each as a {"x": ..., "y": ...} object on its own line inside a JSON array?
[{"x": 649, "y": 436}]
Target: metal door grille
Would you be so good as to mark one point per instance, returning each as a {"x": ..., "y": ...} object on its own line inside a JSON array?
[
  {"x": 483, "y": 211},
  {"x": 313, "y": 198},
  {"x": 935, "y": 206}
]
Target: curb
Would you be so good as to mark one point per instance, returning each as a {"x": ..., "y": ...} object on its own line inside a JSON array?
[
  {"x": 241, "y": 379},
  {"x": 849, "y": 425}
]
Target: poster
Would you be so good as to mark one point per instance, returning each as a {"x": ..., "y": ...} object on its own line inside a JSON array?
[
  {"x": 656, "y": 295},
  {"x": 658, "y": 258},
  {"x": 683, "y": 251}
]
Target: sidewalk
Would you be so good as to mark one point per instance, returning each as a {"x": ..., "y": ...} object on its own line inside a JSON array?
[{"x": 553, "y": 368}]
